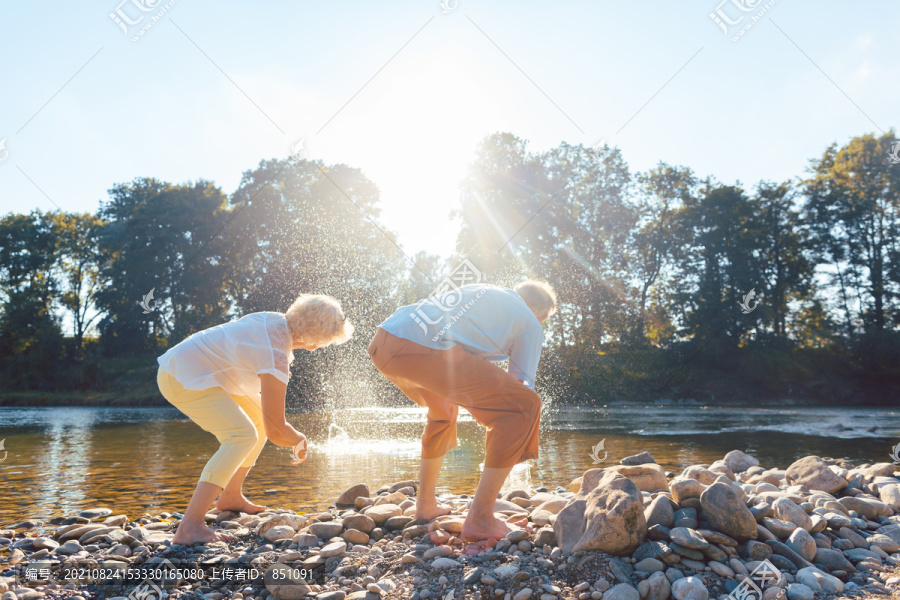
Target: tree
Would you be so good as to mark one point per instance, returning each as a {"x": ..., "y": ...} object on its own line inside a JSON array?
[
  {"x": 78, "y": 269},
  {"x": 853, "y": 206}
]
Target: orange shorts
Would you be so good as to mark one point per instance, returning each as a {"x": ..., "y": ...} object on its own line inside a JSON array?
[{"x": 444, "y": 380}]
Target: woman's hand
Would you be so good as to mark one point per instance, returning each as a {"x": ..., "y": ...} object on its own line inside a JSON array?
[{"x": 298, "y": 453}]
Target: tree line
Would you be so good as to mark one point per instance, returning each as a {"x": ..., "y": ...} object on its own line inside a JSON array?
[{"x": 671, "y": 285}]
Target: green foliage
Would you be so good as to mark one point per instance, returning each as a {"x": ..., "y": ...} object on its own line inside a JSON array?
[{"x": 651, "y": 269}]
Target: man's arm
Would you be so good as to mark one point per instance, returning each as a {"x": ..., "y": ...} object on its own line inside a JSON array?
[{"x": 525, "y": 355}]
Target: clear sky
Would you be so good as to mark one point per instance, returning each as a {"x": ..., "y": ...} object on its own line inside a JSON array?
[{"x": 405, "y": 91}]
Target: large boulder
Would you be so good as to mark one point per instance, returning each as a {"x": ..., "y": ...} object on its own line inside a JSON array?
[
  {"x": 648, "y": 477},
  {"x": 684, "y": 487},
  {"x": 803, "y": 544},
  {"x": 727, "y": 513},
  {"x": 609, "y": 518},
  {"x": 813, "y": 472},
  {"x": 740, "y": 461},
  {"x": 867, "y": 507}
]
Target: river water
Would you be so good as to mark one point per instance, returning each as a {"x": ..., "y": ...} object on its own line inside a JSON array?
[{"x": 146, "y": 460}]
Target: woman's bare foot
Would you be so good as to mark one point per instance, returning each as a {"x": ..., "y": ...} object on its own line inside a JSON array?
[
  {"x": 430, "y": 510},
  {"x": 238, "y": 503},
  {"x": 476, "y": 529},
  {"x": 200, "y": 534}
]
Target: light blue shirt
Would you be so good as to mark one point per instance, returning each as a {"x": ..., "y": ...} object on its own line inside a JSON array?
[{"x": 488, "y": 320}]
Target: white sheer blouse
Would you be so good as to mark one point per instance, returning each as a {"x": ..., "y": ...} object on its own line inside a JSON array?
[{"x": 233, "y": 356}]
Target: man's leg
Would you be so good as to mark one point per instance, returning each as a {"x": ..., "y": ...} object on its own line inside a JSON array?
[
  {"x": 438, "y": 438},
  {"x": 481, "y": 524}
]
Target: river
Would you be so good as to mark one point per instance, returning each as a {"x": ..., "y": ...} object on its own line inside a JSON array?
[{"x": 146, "y": 460}]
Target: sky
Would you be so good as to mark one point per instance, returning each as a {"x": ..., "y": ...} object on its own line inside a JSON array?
[{"x": 405, "y": 91}]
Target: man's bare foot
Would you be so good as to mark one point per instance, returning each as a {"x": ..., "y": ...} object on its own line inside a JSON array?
[
  {"x": 431, "y": 510},
  {"x": 492, "y": 528},
  {"x": 238, "y": 503},
  {"x": 188, "y": 535}
]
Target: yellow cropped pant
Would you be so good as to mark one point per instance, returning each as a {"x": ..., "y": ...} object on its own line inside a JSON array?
[{"x": 236, "y": 421}]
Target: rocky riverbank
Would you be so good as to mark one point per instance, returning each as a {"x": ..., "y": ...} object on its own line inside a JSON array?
[{"x": 819, "y": 528}]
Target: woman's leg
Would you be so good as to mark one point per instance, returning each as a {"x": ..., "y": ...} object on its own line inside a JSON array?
[
  {"x": 232, "y": 497},
  {"x": 218, "y": 413}
]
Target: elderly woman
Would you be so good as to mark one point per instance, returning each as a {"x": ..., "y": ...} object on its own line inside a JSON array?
[{"x": 231, "y": 380}]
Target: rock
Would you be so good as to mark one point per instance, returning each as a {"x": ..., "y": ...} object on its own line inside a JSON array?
[
  {"x": 684, "y": 488},
  {"x": 659, "y": 587},
  {"x": 701, "y": 474},
  {"x": 506, "y": 571},
  {"x": 866, "y": 507},
  {"x": 727, "y": 512},
  {"x": 689, "y": 588},
  {"x": 545, "y": 537},
  {"x": 622, "y": 591},
  {"x": 813, "y": 472},
  {"x": 355, "y": 536},
  {"x": 798, "y": 591},
  {"x": 348, "y": 498},
  {"x": 661, "y": 512},
  {"x": 335, "y": 595},
  {"x": 395, "y": 523},
  {"x": 786, "y": 510},
  {"x": 818, "y": 581},
  {"x": 721, "y": 467},
  {"x": 443, "y": 562},
  {"x": 647, "y": 477},
  {"x": 621, "y": 571},
  {"x": 333, "y": 549},
  {"x": 656, "y": 550},
  {"x": 890, "y": 495},
  {"x": 802, "y": 543},
  {"x": 359, "y": 522},
  {"x": 295, "y": 522},
  {"x": 523, "y": 594},
  {"x": 686, "y": 517},
  {"x": 689, "y": 538},
  {"x": 382, "y": 512},
  {"x": 757, "y": 551},
  {"x": 436, "y": 551},
  {"x": 305, "y": 540},
  {"x": 714, "y": 537},
  {"x": 649, "y": 565},
  {"x": 879, "y": 540},
  {"x": 686, "y": 552},
  {"x": 638, "y": 459},
  {"x": 95, "y": 513},
  {"x": 45, "y": 543},
  {"x": 325, "y": 530},
  {"x": 610, "y": 518},
  {"x": 781, "y": 549},
  {"x": 739, "y": 462},
  {"x": 779, "y": 528},
  {"x": 721, "y": 569}
]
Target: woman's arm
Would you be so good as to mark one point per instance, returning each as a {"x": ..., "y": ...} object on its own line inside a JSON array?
[{"x": 278, "y": 430}]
